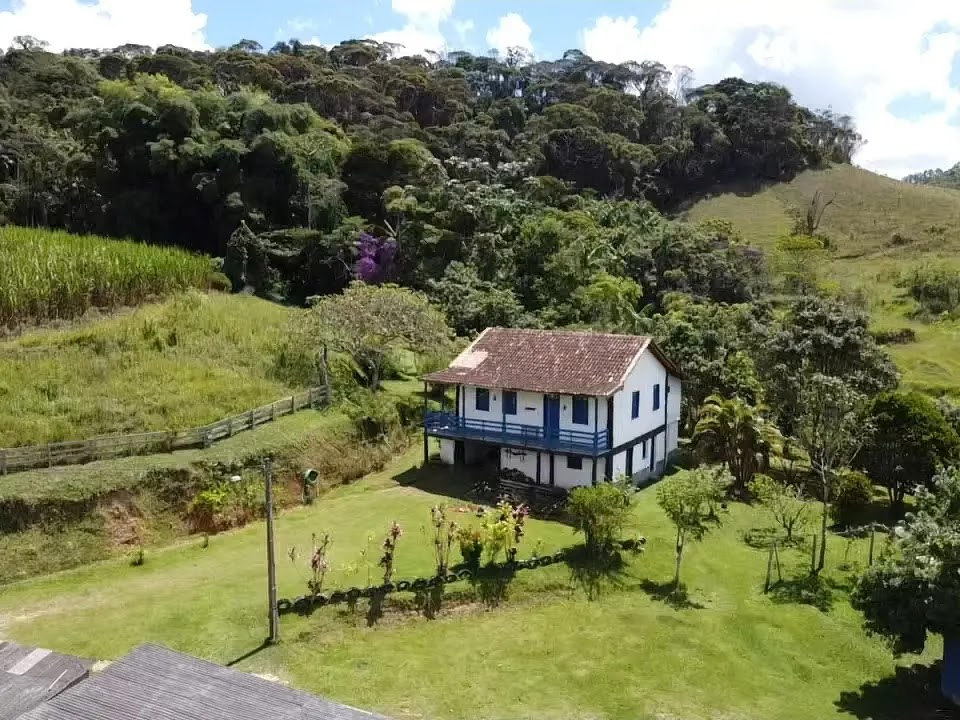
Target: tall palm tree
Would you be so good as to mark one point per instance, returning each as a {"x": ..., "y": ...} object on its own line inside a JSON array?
[{"x": 738, "y": 434}]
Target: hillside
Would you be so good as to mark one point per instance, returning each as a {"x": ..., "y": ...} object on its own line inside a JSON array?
[
  {"x": 878, "y": 228},
  {"x": 185, "y": 362}
]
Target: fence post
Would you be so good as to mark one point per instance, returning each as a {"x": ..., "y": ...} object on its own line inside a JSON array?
[
  {"x": 251, "y": 419},
  {"x": 273, "y": 411},
  {"x": 293, "y": 404},
  {"x": 49, "y": 456},
  {"x": 813, "y": 555},
  {"x": 766, "y": 583},
  {"x": 3, "y": 462},
  {"x": 873, "y": 533},
  {"x": 230, "y": 427}
]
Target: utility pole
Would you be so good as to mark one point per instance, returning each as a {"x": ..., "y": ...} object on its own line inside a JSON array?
[{"x": 274, "y": 613}]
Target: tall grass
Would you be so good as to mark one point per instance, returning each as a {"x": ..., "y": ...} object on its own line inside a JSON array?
[{"x": 46, "y": 275}]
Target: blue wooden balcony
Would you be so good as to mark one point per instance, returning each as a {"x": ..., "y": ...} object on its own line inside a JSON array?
[{"x": 454, "y": 427}]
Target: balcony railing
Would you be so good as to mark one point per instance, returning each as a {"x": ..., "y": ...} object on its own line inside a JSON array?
[{"x": 453, "y": 426}]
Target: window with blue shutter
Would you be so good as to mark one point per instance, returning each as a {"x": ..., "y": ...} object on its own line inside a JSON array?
[
  {"x": 509, "y": 402},
  {"x": 580, "y": 411},
  {"x": 656, "y": 396},
  {"x": 635, "y": 410},
  {"x": 483, "y": 399}
]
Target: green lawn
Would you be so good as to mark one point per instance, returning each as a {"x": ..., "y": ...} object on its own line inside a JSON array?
[
  {"x": 549, "y": 652},
  {"x": 178, "y": 364},
  {"x": 878, "y": 228}
]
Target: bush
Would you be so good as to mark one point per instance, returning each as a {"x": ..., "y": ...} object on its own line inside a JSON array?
[
  {"x": 375, "y": 415},
  {"x": 786, "y": 503},
  {"x": 936, "y": 289},
  {"x": 600, "y": 513},
  {"x": 852, "y": 492}
]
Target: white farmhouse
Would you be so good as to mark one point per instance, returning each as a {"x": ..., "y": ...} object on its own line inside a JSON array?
[{"x": 564, "y": 408}]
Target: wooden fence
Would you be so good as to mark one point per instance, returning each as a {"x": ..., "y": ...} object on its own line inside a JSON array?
[{"x": 76, "y": 452}]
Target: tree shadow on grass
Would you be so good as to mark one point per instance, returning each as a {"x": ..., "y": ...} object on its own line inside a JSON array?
[
  {"x": 596, "y": 574},
  {"x": 454, "y": 483},
  {"x": 665, "y": 592},
  {"x": 910, "y": 693},
  {"x": 815, "y": 590}
]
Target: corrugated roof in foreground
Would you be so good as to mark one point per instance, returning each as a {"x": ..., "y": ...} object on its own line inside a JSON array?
[
  {"x": 549, "y": 361},
  {"x": 30, "y": 675},
  {"x": 155, "y": 683}
]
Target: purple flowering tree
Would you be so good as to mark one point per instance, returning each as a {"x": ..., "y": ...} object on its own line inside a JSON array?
[{"x": 374, "y": 258}]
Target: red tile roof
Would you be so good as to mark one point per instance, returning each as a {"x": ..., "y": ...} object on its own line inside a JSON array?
[{"x": 549, "y": 361}]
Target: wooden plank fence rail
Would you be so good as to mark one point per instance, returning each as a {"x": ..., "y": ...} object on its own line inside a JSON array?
[{"x": 76, "y": 452}]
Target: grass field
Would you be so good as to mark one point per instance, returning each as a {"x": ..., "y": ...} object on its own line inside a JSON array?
[
  {"x": 50, "y": 275},
  {"x": 878, "y": 228},
  {"x": 191, "y": 360},
  {"x": 730, "y": 652},
  {"x": 76, "y": 510}
]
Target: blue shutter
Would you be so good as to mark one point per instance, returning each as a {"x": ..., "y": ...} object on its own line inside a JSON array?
[
  {"x": 580, "y": 411},
  {"x": 483, "y": 399},
  {"x": 509, "y": 402},
  {"x": 635, "y": 410},
  {"x": 656, "y": 396}
]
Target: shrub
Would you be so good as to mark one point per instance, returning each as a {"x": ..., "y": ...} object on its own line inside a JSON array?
[
  {"x": 852, "y": 492},
  {"x": 374, "y": 415},
  {"x": 600, "y": 513},
  {"x": 936, "y": 289},
  {"x": 471, "y": 542}
]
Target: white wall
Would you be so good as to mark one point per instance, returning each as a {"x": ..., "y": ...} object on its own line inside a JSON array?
[
  {"x": 563, "y": 476},
  {"x": 446, "y": 451},
  {"x": 645, "y": 374},
  {"x": 530, "y": 410},
  {"x": 526, "y": 462}
]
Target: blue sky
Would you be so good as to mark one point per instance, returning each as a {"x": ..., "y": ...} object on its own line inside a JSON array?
[
  {"x": 893, "y": 65},
  {"x": 557, "y": 24}
]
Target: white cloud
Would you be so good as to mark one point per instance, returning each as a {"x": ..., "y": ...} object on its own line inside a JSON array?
[
  {"x": 510, "y": 31},
  {"x": 421, "y": 32},
  {"x": 854, "y": 56},
  {"x": 104, "y": 24}
]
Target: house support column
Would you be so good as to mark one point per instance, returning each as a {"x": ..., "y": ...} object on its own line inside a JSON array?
[
  {"x": 593, "y": 479},
  {"x": 426, "y": 436},
  {"x": 538, "y": 467},
  {"x": 552, "y": 456},
  {"x": 608, "y": 468}
]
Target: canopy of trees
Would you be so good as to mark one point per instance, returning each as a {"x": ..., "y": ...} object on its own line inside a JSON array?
[{"x": 521, "y": 182}]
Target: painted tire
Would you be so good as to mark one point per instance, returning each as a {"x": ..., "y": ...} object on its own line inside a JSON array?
[
  {"x": 464, "y": 574},
  {"x": 451, "y": 578},
  {"x": 337, "y": 596},
  {"x": 284, "y": 606},
  {"x": 354, "y": 593},
  {"x": 301, "y": 605},
  {"x": 403, "y": 586},
  {"x": 545, "y": 560},
  {"x": 559, "y": 556},
  {"x": 320, "y": 599}
]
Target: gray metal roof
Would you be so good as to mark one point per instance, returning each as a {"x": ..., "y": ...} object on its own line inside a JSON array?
[
  {"x": 30, "y": 675},
  {"x": 155, "y": 683}
]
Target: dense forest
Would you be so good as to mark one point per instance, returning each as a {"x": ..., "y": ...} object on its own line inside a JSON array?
[{"x": 494, "y": 173}]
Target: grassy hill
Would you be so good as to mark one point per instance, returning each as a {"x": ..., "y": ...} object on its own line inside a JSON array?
[
  {"x": 188, "y": 361},
  {"x": 730, "y": 652},
  {"x": 878, "y": 228}
]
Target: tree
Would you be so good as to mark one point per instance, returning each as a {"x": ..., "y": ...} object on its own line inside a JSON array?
[
  {"x": 691, "y": 499},
  {"x": 911, "y": 439},
  {"x": 367, "y": 322},
  {"x": 736, "y": 433},
  {"x": 786, "y": 503},
  {"x": 825, "y": 337},
  {"x": 915, "y": 590},
  {"x": 831, "y": 428}
]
